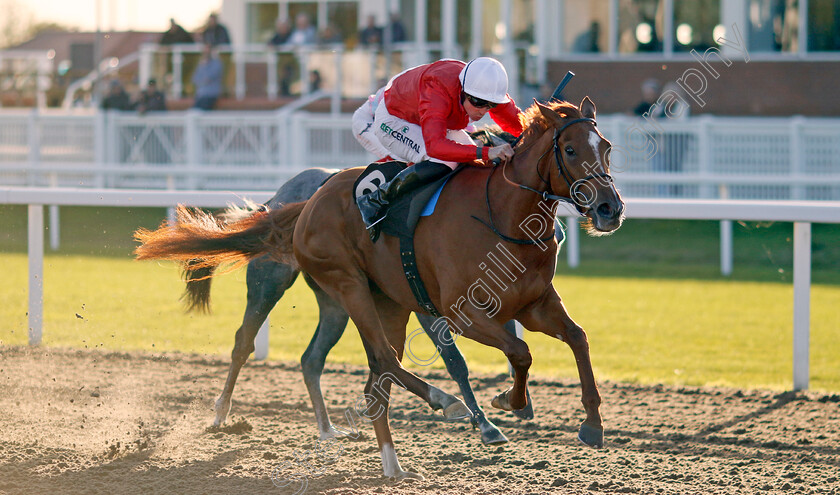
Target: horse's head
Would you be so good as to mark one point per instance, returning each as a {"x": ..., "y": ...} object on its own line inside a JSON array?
[{"x": 575, "y": 162}]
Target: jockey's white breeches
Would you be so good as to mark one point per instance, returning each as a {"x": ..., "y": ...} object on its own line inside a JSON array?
[{"x": 385, "y": 134}]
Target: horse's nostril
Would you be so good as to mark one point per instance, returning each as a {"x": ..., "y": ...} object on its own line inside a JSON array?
[{"x": 604, "y": 210}]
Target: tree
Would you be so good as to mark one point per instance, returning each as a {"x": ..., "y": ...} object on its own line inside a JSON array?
[
  {"x": 15, "y": 22},
  {"x": 18, "y": 24}
]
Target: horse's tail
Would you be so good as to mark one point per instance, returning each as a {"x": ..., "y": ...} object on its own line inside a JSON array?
[
  {"x": 197, "y": 293},
  {"x": 203, "y": 240}
]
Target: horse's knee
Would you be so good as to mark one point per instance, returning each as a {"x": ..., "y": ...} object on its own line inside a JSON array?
[
  {"x": 576, "y": 337},
  {"x": 519, "y": 355}
]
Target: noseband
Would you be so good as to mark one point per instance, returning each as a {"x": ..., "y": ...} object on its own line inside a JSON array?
[{"x": 562, "y": 171}]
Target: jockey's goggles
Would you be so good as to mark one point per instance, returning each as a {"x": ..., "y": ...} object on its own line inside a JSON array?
[{"x": 479, "y": 103}]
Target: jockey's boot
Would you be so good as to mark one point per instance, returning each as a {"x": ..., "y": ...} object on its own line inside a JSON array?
[{"x": 374, "y": 205}]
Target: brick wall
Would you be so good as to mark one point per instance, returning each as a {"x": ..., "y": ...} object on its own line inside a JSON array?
[{"x": 753, "y": 88}]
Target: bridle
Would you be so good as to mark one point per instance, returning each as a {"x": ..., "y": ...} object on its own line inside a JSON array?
[{"x": 562, "y": 171}]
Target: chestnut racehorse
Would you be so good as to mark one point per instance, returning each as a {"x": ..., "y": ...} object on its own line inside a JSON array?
[{"x": 481, "y": 256}]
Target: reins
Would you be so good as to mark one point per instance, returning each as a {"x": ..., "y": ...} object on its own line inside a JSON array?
[{"x": 562, "y": 171}]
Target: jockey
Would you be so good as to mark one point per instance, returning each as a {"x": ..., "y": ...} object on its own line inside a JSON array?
[{"x": 420, "y": 116}]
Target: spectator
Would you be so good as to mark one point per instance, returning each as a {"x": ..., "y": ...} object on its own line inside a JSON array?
[
  {"x": 215, "y": 33},
  {"x": 287, "y": 78},
  {"x": 151, "y": 99},
  {"x": 371, "y": 35},
  {"x": 207, "y": 79},
  {"x": 117, "y": 98},
  {"x": 175, "y": 34},
  {"x": 650, "y": 92},
  {"x": 282, "y": 32},
  {"x": 329, "y": 35},
  {"x": 397, "y": 29},
  {"x": 587, "y": 42},
  {"x": 315, "y": 80},
  {"x": 304, "y": 33}
]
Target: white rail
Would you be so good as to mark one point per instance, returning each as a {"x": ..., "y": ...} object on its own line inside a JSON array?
[{"x": 802, "y": 213}]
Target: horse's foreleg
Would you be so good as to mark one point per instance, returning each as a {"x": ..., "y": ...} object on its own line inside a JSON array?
[
  {"x": 491, "y": 333},
  {"x": 267, "y": 281},
  {"x": 331, "y": 325},
  {"x": 357, "y": 299},
  {"x": 549, "y": 316},
  {"x": 457, "y": 368},
  {"x": 526, "y": 412}
]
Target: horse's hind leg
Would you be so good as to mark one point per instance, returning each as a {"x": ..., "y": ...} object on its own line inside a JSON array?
[
  {"x": 457, "y": 368},
  {"x": 378, "y": 389},
  {"x": 331, "y": 325},
  {"x": 549, "y": 316},
  {"x": 267, "y": 280}
]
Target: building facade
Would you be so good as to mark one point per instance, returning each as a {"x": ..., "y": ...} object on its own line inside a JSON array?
[{"x": 784, "y": 54}]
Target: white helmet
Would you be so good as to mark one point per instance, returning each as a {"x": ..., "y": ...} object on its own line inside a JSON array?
[{"x": 485, "y": 78}]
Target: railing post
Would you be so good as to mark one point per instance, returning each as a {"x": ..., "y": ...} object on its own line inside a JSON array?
[
  {"x": 147, "y": 53},
  {"x": 572, "y": 242},
  {"x": 36, "y": 272},
  {"x": 239, "y": 62},
  {"x": 272, "y": 86},
  {"x": 726, "y": 247},
  {"x": 193, "y": 135},
  {"x": 102, "y": 145},
  {"x": 54, "y": 225},
  {"x": 177, "y": 73},
  {"x": 801, "y": 303},
  {"x": 797, "y": 157},
  {"x": 704, "y": 157},
  {"x": 335, "y": 101},
  {"x": 34, "y": 147}
]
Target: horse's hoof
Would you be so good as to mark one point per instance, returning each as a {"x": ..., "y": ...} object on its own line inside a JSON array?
[
  {"x": 591, "y": 436},
  {"x": 501, "y": 402},
  {"x": 331, "y": 433},
  {"x": 457, "y": 410},
  {"x": 407, "y": 475},
  {"x": 492, "y": 436},
  {"x": 526, "y": 412}
]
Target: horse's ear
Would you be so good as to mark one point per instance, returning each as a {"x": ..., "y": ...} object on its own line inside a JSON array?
[
  {"x": 587, "y": 108},
  {"x": 548, "y": 113}
]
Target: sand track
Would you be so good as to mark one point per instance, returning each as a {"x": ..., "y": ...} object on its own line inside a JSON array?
[{"x": 98, "y": 422}]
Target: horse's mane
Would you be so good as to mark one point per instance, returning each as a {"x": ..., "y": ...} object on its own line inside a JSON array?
[{"x": 534, "y": 122}]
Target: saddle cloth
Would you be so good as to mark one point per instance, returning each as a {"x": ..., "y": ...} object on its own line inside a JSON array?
[{"x": 405, "y": 212}]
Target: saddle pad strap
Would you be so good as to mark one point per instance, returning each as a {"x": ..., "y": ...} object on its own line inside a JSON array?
[{"x": 412, "y": 274}]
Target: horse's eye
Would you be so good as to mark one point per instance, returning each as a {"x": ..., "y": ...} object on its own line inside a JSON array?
[{"x": 570, "y": 151}]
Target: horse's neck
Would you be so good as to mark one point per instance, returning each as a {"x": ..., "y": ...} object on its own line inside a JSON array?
[{"x": 512, "y": 204}]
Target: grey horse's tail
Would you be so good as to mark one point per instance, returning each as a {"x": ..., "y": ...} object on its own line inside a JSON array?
[{"x": 196, "y": 295}]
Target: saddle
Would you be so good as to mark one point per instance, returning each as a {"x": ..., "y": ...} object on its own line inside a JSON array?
[
  {"x": 405, "y": 212},
  {"x": 403, "y": 215}
]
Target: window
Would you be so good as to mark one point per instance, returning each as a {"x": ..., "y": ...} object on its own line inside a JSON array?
[
  {"x": 823, "y": 25},
  {"x": 343, "y": 17},
  {"x": 694, "y": 25},
  {"x": 585, "y": 26},
  {"x": 640, "y": 25},
  {"x": 261, "y": 19},
  {"x": 773, "y": 25}
]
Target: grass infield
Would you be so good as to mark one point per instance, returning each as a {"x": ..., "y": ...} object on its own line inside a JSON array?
[{"x": 650, "y": 297}]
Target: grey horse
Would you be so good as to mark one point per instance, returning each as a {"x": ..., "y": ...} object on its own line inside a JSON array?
[{"x": 267, "y": 280}]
